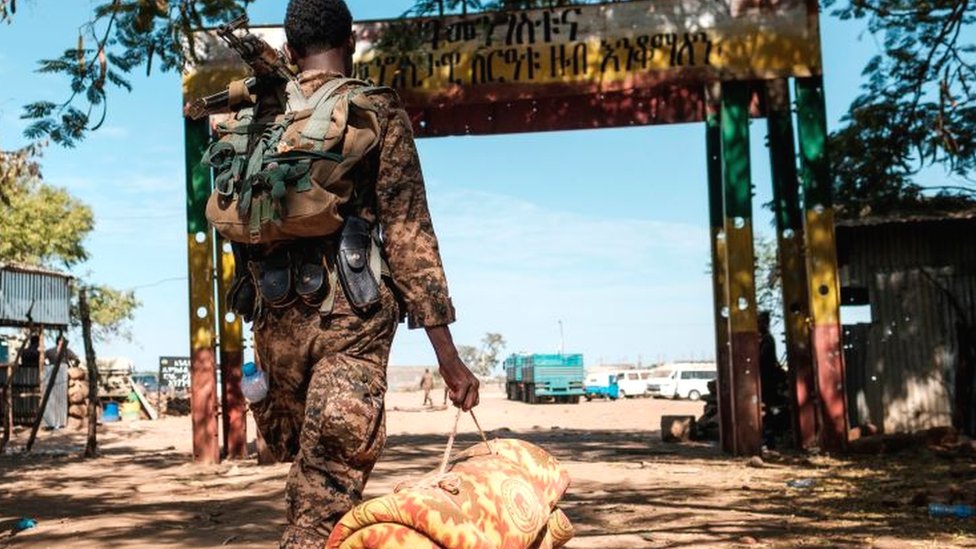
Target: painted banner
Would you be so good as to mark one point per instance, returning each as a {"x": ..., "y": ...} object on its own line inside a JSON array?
[{"x": 649, "y": 50}]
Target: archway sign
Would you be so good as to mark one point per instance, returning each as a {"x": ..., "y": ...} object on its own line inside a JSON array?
[{"x": 597, "y": 66}]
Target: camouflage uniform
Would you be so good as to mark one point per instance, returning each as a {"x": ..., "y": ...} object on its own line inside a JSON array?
[{"x": 327, "y": 376}]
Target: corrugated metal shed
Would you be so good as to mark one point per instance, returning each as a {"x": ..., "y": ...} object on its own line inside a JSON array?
[
  {"x": 918, "y": 276},
  {"x": 29, "y": 294}
]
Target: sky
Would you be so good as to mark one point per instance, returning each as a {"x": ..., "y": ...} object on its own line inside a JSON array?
[{"x": 604, "y": 253}]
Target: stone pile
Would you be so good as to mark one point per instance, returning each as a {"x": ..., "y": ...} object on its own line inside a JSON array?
[{"x": 77, "y": 398}]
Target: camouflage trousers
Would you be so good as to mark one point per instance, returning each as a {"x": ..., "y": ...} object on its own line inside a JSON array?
[{"x": 325, "y": 407}]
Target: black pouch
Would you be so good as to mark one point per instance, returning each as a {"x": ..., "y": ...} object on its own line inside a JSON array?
[
  {"x": 242, "y": 296},
  {"x": 311, "y": 279},
  {"x": 274, "y": 279},
  {"x": 358, "y": 281}
]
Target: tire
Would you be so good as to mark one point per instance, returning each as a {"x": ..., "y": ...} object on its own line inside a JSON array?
[
  {"x": 589, "y": 398},
  {"x": 622, "y": 394},
  {"x": 575, "y": 399},
  {"x": 693, "y": 395}
]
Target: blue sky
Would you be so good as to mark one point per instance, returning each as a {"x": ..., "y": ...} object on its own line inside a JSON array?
[{"x": 613, "y": 243}]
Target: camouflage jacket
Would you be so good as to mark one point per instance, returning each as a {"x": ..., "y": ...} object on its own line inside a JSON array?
[{"x": 399, "y": 204}]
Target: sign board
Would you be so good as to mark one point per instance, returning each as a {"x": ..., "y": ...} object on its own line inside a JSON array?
[
  {"x": 579, "y": 66},
  {"x": 174, "y": 372}
]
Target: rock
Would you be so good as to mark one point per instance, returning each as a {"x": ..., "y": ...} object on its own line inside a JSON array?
[
  {"x": 756, "y": 462},
  {"x": 748, "y": 540},
  {"x": 76, "y": 423},
  {"x": 78, "y": 410},
  {"x": 677, "y": 428},
  {"x": 75, "y": 374}
]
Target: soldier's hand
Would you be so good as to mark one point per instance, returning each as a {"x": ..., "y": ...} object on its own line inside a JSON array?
[{"x": 462, "y": 383}]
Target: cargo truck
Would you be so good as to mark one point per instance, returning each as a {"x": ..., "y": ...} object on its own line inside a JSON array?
[{"x": 537, "y": 378}]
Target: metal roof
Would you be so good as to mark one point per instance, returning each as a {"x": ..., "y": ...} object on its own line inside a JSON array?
[
  {"x": 34, "y": 295},
  {"x": 894, "y": 219}
]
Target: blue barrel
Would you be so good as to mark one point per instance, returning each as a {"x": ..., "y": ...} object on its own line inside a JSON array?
[{"x": 111, "y": 412}]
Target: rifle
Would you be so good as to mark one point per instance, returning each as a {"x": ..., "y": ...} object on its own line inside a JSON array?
[{"x": 268, "y": 65}]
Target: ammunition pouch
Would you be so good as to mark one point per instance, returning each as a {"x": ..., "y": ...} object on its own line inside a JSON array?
[
  {"x": 359, "y": 276},
  {"x": 273, "y": 277},
  {"x": 311, "y": 278},
  {"x": 312, "y": 271}
]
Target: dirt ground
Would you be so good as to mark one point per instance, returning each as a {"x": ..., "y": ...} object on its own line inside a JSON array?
[{"x": 630, "y": 490}]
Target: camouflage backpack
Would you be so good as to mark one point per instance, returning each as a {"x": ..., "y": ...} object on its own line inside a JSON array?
[{"x": 288, "y": 178}]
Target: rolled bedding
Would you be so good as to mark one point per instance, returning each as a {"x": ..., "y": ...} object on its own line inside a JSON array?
[{"x": 502, "y": 497}]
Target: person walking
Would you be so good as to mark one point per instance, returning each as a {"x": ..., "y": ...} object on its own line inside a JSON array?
[{"x": 325, "y": 304}]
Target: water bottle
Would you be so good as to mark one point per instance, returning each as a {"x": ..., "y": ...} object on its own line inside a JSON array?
[
  {"x": 254, "y": 384},
  {"x": 955, "y": 511}
]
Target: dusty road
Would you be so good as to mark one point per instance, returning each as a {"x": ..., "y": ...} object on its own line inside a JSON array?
[{"x": 629, "y": 489}]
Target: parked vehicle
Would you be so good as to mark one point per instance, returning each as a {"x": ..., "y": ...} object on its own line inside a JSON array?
[
  {"x": 682, "y": 380},
  {"x": 534, "y": 378},
  {"x": 513, "y": 377},
  {"x": 632, "y": 383},
  {"x": 601, "y": 386}
]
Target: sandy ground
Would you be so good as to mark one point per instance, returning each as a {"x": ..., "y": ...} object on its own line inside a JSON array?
[{"x": 629, "y": 489}]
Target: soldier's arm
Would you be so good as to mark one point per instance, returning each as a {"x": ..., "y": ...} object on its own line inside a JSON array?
[{"x": 413, "y": 254}]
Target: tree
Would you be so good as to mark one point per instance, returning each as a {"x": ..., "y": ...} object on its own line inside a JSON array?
[
  {"x": 491, "y": 346},
  {"x": 917, "y": 108},
  {"x": 769, "y": 281},
  {"x": 121, "y": 36},
  {"x": 469, "y": 355},
  {"x": 42, "y": 225},
  {"x": 482, "y": 361}
]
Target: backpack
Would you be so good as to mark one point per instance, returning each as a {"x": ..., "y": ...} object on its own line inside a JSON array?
[{"x": 289, "y": 178}]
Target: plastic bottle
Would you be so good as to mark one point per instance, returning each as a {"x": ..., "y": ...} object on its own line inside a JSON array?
[
  {"x": 254, "y": 384},
  {"x": 955, "y": 511}
]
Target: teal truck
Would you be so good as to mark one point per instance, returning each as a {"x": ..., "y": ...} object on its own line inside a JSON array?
[{"x": 536, "y": 378}]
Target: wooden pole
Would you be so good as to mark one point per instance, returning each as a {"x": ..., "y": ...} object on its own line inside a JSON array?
[
  {"x": 59, "y": 357},
  {"x": 91, "y": 447}
]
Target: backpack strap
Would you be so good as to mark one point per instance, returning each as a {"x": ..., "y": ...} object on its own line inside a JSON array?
[{"x": 317, "y": 127}]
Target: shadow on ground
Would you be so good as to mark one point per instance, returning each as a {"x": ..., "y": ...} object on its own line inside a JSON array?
[{"x": 627, "y": 486}]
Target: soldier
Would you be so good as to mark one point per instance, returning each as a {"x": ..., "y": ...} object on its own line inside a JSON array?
[{"x": 327, "y": 370}]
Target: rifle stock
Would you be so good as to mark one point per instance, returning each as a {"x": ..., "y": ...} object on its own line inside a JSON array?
[{"x": 269, "y": 68}]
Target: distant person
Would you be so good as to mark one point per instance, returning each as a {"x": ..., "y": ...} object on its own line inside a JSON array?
[
  {"x": 427, "y": 384},
  {"x": 773, "y": 382},
  {"x": 70, "y": 358},
  {"x": 30, "y": 357}
]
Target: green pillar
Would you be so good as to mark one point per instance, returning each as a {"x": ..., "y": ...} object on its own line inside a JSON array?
[
  {"x": 716, "y": 203},
  {"x": 200, "y": 255},
  {"x": 743, "y": 325},
  {"x": 822, "y": 272},
  {"x": 792, "y": 260}
]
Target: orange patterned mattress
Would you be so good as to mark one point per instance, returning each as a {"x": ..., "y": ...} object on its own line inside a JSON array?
[{"x": 504, "y": 498}]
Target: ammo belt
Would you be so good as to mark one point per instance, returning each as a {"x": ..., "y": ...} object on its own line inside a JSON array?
[{"x": 312, "y": 272}]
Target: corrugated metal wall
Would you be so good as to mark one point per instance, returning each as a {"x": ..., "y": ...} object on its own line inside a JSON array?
[
  {"x": 48, "y": 294},
  {"x": 26, "y": 391},
  {"x": 902, "y": 379}
]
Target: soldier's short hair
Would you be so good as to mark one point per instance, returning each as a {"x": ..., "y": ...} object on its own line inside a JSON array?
[{"x": 312, "y": 25}]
